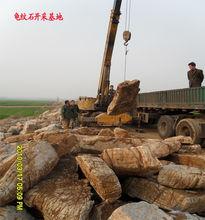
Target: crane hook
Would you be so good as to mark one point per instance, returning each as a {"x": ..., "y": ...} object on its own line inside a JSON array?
[{"x": 127, "y": 37}]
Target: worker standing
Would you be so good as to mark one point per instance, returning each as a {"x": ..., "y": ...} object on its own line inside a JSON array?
[
  {"x": 111, "y": 93},
  {"x": 75, "y": 116},
  {"x": 66, "y": 115},
  {"x": 195, "y": 76}
]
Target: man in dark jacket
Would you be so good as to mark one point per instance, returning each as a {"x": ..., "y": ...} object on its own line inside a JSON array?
[
  {"x": 195, "y": 76},
  {"x": 111, "y": 94},
  {"x": 66, "y": 114},
  {"x": 75, "y": 119}
]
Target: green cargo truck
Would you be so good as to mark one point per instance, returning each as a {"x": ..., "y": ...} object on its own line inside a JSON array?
[{"x": 178, "y": 112}]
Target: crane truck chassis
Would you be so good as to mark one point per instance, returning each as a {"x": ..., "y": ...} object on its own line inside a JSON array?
[{"x": 177, "y": 112}]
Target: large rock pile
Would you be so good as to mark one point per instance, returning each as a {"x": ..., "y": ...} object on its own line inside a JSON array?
[{"x": 87, "y": 174}]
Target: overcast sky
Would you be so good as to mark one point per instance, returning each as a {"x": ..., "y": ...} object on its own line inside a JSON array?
[{"x": 63, "y": 59}]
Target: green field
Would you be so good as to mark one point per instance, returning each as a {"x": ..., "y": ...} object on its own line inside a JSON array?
[
  {"x": 24, "y": 103},
  {"x": 22, "y": 108},
  {"x": 20, "y": 112}
]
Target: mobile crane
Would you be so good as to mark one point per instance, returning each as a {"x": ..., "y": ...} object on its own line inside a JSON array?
[{"x": 100, "y": 103}]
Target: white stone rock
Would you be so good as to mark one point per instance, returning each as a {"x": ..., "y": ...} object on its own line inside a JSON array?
[
  {"x": 52, "y": 127},
  {"x": 30, "y": 126},
  {"x": 139, "y": 211}
]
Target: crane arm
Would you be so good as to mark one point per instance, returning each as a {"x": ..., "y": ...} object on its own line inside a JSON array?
[{"x": 104, "y": 82}]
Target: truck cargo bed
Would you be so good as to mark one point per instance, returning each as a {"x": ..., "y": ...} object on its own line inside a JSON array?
[{"x": 188, "y": 98}]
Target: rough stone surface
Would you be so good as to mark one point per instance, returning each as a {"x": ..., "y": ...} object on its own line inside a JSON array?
[
  {"x": 30, "y": 126},
  {"x": 121, "y": 133},
  {"x": 63, "y": 142},
  {"x": 85, "y": 131},
  {"x": 52, "y": 127},
  {"x": 160, "y": 148},
  {"x": 62, "y": 195},
  {"x": 181, "y": 139},
  {"x": 104, "y": 210},
  {"x": 192, "y": 160},
  {"x": 7, "y": 135},
  {"x": 131, "y": 161},
  {"x": 125, "y": 98},
  {"x": 106, "y": 132},
  {"x": 2, "y": 136},
  {"x": 165, "y": 162},
  {"x": 184, "y": 216},
  {"x": 7, "y": 157},
  {"x": 14, "y": 130},
  {"x": 196, "y": 148},
  {"x": 164, "y": 197},
  {"x": 139, "y": 211},
  {"x": 19, "y": 138},
  {"x": 10, "y": 213},
  {"x": 182, "y": 177},
  {"x": 101, "y": 177},
  {"x": 99, "y": 143},
  {"x": 38, "y": 161},
  {"x": 51, "y": 115}
]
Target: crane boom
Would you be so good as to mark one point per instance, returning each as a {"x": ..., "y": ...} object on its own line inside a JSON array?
[{"x": 104, "y": 82}]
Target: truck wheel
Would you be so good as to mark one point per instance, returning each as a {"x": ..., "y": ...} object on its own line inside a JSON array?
[
  {"x": 189, "y": 127},
  {"x": 165, "y": 126}
]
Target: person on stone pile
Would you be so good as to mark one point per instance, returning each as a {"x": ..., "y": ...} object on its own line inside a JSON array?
[
  {"x": 195, "y": 76},
  {"x": 111, "y": 94},
  {"x": 66, "y": 115},
  {"x": 75, "y": 119}
]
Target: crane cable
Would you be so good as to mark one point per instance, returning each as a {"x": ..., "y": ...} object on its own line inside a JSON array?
[{"x": 127, "y": 33}]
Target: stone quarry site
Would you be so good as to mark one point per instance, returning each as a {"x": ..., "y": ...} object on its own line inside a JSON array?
[
  {"x": 96, "y": 173},
  {"x": 122, "y": 154}
]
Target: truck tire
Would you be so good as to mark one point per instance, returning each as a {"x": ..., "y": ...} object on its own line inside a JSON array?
[
  {"x": 189, "y": 127},
  {"x": 165, "y": 126}
]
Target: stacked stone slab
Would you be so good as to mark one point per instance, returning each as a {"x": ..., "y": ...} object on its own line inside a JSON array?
[{"x": 101, "y": 177}]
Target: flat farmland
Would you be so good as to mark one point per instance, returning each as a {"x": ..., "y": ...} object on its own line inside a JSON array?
[{"x": 23, "y": 108}]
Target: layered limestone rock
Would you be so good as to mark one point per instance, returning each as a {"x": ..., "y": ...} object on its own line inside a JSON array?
[
  {"x": 164, "y": 197},
  {"x": 101, "y": 177},
  {"x": 19, "y": 138},
  {"x": 10, "y": 213},
  {"x": 37, "y": 160},
  {"x": 192, "y": 160},
  {"x": 196, "y": 149},
  {"x": 160, "y": 148},
  {"x": 106, "y": 132},
  {"x": 181, "y": 139},
  {"x": 85, "y": 131},
  {"x": 125, "y": 98},
  {"x": 131, "y": 161},
  {"x": 96, "y": 144},
  {"x": 182, "y": 177},
  {"x": 139, "y": 211},
  {"x": 121, "y": 133},
  {"x": 51, "y": 127},
  {"x": 61, "y": 195},
  {"x": 63, "y": 142},
  {"x": 30, "y": 126}
]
